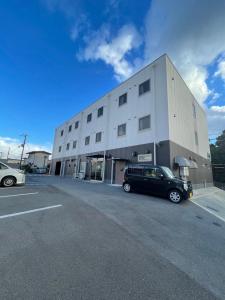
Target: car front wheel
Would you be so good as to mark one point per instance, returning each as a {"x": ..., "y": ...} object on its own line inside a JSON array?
[
  {"x": 175, "y": 196},
  {"x": 127, "y": 187},
  {"x": 8, "y": 181}
]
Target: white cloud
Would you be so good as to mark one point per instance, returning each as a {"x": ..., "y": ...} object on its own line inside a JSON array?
[
  {"x": 221, "y": 70},
  {"x": 101, "y": 45},
  {"x": 193, "y": 35},
  {"x": 16, "y": 149},
  {"x": 219, "y": 109}
]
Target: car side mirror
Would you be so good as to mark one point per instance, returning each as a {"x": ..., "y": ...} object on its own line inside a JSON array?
[{"x": 161, "y": 176}]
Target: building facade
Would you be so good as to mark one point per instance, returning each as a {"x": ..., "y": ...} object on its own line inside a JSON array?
[
  {"x": 150, "y": 118},
  {"x": 37, "y": 159}
]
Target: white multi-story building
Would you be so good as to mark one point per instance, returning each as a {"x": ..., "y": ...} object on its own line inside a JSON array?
[{"x": 152, "y": 117}]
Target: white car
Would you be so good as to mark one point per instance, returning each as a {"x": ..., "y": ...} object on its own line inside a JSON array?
[{"x": 10, "y": 176}]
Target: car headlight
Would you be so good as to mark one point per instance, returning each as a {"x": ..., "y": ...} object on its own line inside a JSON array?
[
  {"x": 21, "y": 171},
  {"x": 185, "y": 186}
]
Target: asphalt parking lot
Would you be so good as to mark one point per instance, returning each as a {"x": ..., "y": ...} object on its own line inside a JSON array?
[{"x": 62, "y": 239}]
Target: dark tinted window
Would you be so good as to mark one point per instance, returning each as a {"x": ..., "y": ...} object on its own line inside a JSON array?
[
  {"x": 144, "y": 87},
  {"x": 100, "y": 112},
  {"x": 61, "y": 132},
  {"x": 98, "y": 137},
  {"x": 70, "y": 128},
  {"x": 74, "y": 144},
  {"x": 67, "y": 146},
  {"x": 150, "y": 172},
  {"x": 135, "y": 171},
  {"x": 87, "y": 140},
  {"x": 144, "y": 122},
  {"x": 3, "y": 167},
  {"x": 76, "y": 124},
  {"x": 122, "y": 99},
  {"x": 121, "y": 130},
  {"x": 89, "y": 117},
  {"x": 60, "y": 148}
]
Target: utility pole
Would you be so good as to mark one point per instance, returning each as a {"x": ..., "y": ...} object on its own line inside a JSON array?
[
  {"x": 8, "y": 154},
  {"x": 23, "y": 145}
]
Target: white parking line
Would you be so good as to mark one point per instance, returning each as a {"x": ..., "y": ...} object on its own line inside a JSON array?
[
  {"x": 17, "y": 195},
  {"x": 29, "y": 211},
  {"x": 209, "y": 211}
]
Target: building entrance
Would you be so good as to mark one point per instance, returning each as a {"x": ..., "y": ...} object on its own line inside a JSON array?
[{"x": 96, "y": 168}]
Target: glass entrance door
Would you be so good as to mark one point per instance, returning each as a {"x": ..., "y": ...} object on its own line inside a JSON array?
[{"x": 96, "y": 169}]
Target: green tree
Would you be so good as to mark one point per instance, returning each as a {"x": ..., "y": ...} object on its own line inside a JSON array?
[{"x": 218, "y": 158}]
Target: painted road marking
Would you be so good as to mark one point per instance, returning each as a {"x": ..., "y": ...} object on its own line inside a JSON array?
[
  {"x": 209, "y": 211},
  {"x": 17, "y": 195},
  {"x": 29, "y": 211}
]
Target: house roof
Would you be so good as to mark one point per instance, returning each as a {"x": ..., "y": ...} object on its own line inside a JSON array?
[{"x": 35, "y": 152}]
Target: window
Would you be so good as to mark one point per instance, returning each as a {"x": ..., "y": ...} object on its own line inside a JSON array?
[
  {"x": 194, "y": 111},
  {"x": 60, "y": 148},
  {"x": 152, "y": 173},
  {"x": 74, "y": 144},
  {"x": 144, "y": 87},
  {"x": 196, "y": 138},
  {"x": 3, "y": 167},
  {"x": 121, "y": 130},
  {"x": 122, "y": 99},
  {"x": 87, "y": 140},
  {"x": 135, "y": 171},
  {"x": 98, "y": 137},
  {"x": 100, "y": 112},
  {"x": 70, "y": 128},
  {"x": 76, "y": 124},
  {"x": 67, "y": 146},
  {"x": 61, "y": 132},
  {"x": 89, "y": 117},
  {"x": 144, "y": 122}
]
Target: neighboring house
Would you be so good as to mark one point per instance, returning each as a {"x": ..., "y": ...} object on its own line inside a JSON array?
[
  {"x": 38, "y": 159},
  {"x": 150, "y": 118}
]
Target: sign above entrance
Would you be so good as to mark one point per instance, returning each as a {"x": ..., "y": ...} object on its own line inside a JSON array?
[{"x": 144, "y": 157}]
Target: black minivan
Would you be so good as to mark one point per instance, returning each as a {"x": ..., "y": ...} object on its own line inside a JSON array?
[{"x": 157, "y": 180}]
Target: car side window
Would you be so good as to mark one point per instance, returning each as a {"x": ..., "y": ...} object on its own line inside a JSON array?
[
  {"x": 3, "y": 167},
  {"x": 150, "y": 172},
  {"x": 159, "y": 173}
]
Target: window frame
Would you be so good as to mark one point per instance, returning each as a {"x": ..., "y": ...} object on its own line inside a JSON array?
[
  {"x": 87, "y": 138},
  {"x": 121, "y": 97},
  {"x": 75, "y": 143},
  {"x": 60, "y": 149},
  {"x": 62, "y": 132},
  {"x": 70, "y": 128},
  {"x": 141, "y": 90},
  {"x": 101, "y": 110},
  {"x": 89, "y": 116},
  {"x": 76, "y": 125},
  {"x": 67, "y": 146},
  {"x": 120, "y": 126},
  {"x": 140, "y": 119},
  {"x": 98, "y": 133}
]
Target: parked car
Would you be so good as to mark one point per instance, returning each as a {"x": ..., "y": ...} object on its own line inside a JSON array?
[
  {"x": 10, "y": 176},
  {"x": 157, "y": 180}
]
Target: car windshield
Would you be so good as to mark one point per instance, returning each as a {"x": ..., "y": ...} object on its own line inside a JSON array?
[{"x": 168, "y": 172}]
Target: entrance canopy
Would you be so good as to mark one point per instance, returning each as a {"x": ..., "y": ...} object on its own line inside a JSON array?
[{"x": 182, "y": 161}]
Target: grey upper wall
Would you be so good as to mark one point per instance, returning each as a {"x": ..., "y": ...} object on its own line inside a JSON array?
[{"x": 182, "y": 123}]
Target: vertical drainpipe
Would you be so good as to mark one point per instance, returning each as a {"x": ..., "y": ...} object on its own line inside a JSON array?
[
  {"x": 155, "y": 119},
  {"x": 112, "y": 170}
]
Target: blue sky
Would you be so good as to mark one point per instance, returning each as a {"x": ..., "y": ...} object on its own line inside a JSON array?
[{"x": 57, "y": 56}]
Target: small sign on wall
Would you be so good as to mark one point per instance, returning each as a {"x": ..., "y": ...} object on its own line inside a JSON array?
[{"x": 144, "y": 157}]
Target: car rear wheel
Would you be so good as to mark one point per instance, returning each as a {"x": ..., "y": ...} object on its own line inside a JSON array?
[
  {"x": 175, "y": 196},
  {"x": 127, "y": 187},
  {"x": 8, "y": 181}
]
